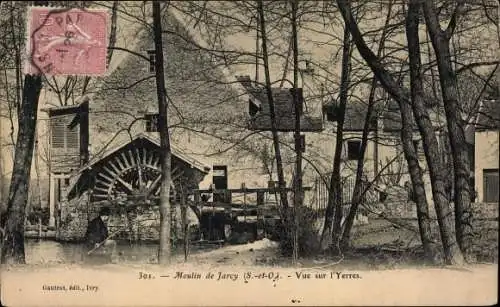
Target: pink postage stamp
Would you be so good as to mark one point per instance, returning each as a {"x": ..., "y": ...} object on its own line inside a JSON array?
[{"x": 66, "y": 41}]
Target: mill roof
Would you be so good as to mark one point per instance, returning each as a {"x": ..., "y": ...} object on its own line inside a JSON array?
[
  {"x": 489, "y": 115},
  {"x": 284, "y": 108}
]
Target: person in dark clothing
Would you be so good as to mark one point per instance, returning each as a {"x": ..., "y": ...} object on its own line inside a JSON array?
[
  {"x": 97, "y": 231},
  {"x": 97, "y": 235}
]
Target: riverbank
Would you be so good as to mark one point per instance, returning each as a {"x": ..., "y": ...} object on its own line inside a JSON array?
[{"x": 377, "y": 245}]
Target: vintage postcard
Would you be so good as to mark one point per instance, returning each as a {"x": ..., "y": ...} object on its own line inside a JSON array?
[{"x": 249, "y": 153}]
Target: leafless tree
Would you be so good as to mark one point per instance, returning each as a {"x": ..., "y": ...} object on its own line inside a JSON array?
[
  {"x": 12, "y": 249},
  {"x": 402, "y": 96},
  {"x": 441, "y": 42},
  {"x": 333, "y": 216},
  {"x": 166, "y": 153}
]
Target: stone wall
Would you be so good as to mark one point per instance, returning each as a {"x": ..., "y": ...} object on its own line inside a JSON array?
[
  {"x": 75, "y": 215},
  {"x": 141, "y": 224},
  {"x": 485, "y": 210},
  {"x": 397, "y": 205}
]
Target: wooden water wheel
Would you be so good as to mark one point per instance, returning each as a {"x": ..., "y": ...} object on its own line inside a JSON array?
[{"x": 134, "y": 173}]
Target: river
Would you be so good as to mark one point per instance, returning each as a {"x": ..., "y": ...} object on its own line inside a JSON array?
[{"x": 53, "y": 252}]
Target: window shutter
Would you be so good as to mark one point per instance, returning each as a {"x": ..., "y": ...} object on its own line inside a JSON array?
[
  {"x": 491, "y": 183},
  {"x": 57, "y": 128},
  {"x": 62, "y": 135},
  {"x": 72, "y": 141}
]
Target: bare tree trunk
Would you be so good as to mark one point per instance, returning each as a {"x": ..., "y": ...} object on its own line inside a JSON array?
[
  {"x": 165, "y": 152},
  {"x": 447, "y": 159},
  {"x": 112, "y": 35},
  {"x": 333, "y": 216},
  {"x": 298, "y": 196},
  {"x": 13, "y": 221},
  {"x": 111, "y": 44},
  {"x": 17, "y": 58},
  {"x": 401, "y": 95},
  {"x": 424, "y": 221},
  {"x": 274, "y": 131},
  {"x": 358, "y": 191},
  {"x": 448, "y": 80},
  {"x": 430, "y": 143}
]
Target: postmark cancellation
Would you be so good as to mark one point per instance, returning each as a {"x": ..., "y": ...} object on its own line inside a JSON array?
[{"x": 63, "y": 41}]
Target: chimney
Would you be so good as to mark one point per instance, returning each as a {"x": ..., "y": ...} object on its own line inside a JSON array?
[{"x": 246, "y": 82}]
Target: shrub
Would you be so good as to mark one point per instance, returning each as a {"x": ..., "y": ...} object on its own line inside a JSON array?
[{"x": 308, "y": 238}]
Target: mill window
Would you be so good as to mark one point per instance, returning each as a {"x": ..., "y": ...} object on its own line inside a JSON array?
[
  {"x": 353, "y": 150},
  {"x": 152, "y": 60},
  {"x": 152, "y": 121}
]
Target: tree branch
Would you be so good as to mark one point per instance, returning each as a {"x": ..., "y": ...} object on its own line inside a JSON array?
[
  {"x": 453, "y": 21},
  {"x": 130, "y": 51},
  {"x": 476, "y": 64},
  {"x": 372, "y": 60}
]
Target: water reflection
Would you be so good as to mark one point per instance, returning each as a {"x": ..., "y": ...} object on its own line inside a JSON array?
[
  {"x": 49, "y": 252},
  {"x": 52, "y": 252}
]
